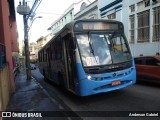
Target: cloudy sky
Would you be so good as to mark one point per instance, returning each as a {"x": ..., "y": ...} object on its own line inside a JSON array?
[{"x": 50, "y": 10}]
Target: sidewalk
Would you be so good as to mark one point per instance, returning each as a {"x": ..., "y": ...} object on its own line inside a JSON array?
[{"x": 29, "y": 96}]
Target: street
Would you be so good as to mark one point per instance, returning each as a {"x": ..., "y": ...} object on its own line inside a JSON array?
[{"x": 139, "y": 97}]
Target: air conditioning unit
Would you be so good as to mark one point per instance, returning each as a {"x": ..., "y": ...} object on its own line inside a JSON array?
[{"x": 154, "y": 0}]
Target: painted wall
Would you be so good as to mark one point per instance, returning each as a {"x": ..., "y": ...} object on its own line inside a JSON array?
[
  {"x": 6, "y": 36},
  {"x": 9, "y": 39},
  {"x": 4, "y": 88},
  {"x": 14, "y": 39}
]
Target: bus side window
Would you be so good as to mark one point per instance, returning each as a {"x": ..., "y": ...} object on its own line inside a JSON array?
[{"x": 42, "y": 56}]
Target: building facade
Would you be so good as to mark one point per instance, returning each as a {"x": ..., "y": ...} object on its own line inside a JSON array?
[
  {"x": 8, "y": 48},
  {"x": 32, "y": 47},
  {"x": 67, "y": 16},
  {"x": 88, "y": 11},
  {"x": 141, "y": 20}
]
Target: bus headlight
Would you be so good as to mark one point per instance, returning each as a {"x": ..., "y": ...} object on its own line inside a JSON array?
[{"x": 89, "y": 77}]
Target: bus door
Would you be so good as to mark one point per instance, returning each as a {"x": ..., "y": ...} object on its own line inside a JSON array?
[
  {"x": 69, "y": 63},
  {"x": 48, "y": 62}
]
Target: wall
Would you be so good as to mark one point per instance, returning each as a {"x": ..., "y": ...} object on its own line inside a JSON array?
[
  {"x": 6, "y": 36},
  {"x": 4, "y": 87},
  {"x": 13, "y": 30}
]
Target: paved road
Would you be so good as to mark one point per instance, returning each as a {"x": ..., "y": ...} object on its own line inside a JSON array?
[{"x": 139, "y": 97}]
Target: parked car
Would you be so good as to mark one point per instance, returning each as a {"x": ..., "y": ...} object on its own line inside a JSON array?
[
  {"x": 33, "y": 67},
  {"x": 148, "y": 68}
]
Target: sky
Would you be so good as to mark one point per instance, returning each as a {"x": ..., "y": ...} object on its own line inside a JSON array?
[{"x": 50, "y": 10}]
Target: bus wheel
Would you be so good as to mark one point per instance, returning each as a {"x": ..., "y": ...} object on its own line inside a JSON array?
[{"x": 44, "y": 74}]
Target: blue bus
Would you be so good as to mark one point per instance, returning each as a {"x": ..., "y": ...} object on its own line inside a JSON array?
[{"x": 89, "y": 57}]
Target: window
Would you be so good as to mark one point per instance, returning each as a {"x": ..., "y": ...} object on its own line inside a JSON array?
[
  {"x": 146, "y": 3},
  {"x": 93, "y": 16},
  {"x": 155, "y": 2},
  {"x": 152, "y": 61},
  {"x": 42, "y": 57},
  {"x": 138, "y": 61},
  {"x": 143, "y": 26},
  {"x": 39, "y": 57},
  {"x": 140, "y": 5},
  {"x": 112, "y": 16},
  {"x": 131, "y": 18},
  {"x": 132, "y": 8},
  {"x": 143, "y": 4},
  {"x": 156, "y": 24},
  {"x": 56, "y": 50},
  {"x": 103, "y": 49}
]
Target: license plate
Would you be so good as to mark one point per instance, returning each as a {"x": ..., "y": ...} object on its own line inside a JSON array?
[{"x": 115, "y": 83}]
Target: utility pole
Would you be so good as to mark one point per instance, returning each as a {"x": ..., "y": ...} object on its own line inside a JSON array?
[
  {"x": 27, "y": 54},
  {"x": 24, "y": 10}
]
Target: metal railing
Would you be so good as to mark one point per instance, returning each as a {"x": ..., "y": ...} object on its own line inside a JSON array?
[{"x": 2, "y": 54}]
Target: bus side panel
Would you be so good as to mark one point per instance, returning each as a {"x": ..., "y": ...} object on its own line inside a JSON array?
[
  {"x": 79, "y": 88},
  {"x": 54, "y": 71},
  {"x": 57, "y": 68},
  {"x": 43, "y": 68},
  {"x": 40, "y": 67}
]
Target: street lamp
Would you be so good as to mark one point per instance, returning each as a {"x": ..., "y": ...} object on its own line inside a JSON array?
[{"x": 33, "y": 21}]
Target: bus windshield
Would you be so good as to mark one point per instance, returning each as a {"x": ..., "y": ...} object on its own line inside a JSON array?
[{"x": 103, "y": 49}]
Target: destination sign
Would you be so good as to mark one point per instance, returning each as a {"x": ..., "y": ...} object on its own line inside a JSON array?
[{"x": 95, "y": 26}]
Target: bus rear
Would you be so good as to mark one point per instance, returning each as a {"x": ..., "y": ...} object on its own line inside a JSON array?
[{"x": 103, "y": 57}]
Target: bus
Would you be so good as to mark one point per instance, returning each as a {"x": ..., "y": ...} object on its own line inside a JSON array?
[{"x": 88, "y": 57}]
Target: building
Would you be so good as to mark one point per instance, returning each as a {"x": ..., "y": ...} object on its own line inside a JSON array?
[
  {"x": 32, "y": 48},
  {"x": 88, "y": 11},
  {"x": 8, "y": 47},
  {"x": 67, "y": 16},
  {"x": 141, "y": 22},
  {"x": 21, "y": 47}
]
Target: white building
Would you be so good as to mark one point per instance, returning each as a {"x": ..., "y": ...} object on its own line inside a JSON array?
[
  {"x": 67, "y": 16},
  {"x": 87, "y": 11},
  {"x": 141, "y": 20}
]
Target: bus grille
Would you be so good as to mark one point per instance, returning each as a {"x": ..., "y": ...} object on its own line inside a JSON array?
[{"x": 112, "y": 76}]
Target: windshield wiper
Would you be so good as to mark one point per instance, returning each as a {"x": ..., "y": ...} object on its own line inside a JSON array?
[{"x": 91, "y": 47}]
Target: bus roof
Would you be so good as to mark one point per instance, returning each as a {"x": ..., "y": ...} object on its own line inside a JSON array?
[{"x": 70, "y": 26}]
